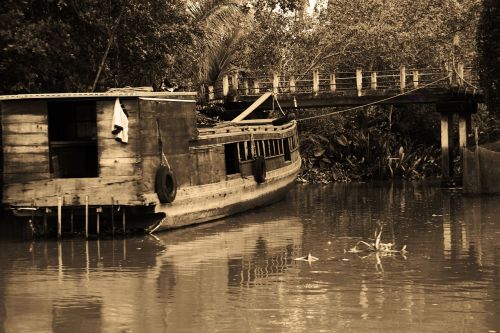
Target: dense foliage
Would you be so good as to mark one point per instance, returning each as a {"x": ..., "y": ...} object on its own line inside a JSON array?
[
  {"x": 69, "y": 45},
  {"x": 488, "y": 38}
]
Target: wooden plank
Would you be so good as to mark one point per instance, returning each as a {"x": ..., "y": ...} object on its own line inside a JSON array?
[
  {"x": 119, "y": 167},
  {"x": 30, "y": 127},
  {"x": 252, "y": 107},
  {"x": 25, "y": 149},
  {"x": 26, "y": 163},
  {"x": 124, "y": 190},
  {"x": 110, "y": 148},
  {"x": 29, "y": 139},
  {"x": 10, "y": 178},
  {"x": 13, "y": 109}
]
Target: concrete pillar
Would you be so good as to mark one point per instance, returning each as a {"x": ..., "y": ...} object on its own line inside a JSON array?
[
  {"x": 292, "y": 84},
  {"x": 315, "y": 81},
  {"x": 464, "y": 129},
  {"x": 359, "y": 80},
  {"x": 225, "y": 85},
  {"x": 446, "y": 144}
]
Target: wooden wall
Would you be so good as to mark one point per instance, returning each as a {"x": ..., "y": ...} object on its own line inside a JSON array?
[
  {"x": 177, "y": 123},
  {"x": 26, "y": 159},
  {"x": 25, "y": 141}
]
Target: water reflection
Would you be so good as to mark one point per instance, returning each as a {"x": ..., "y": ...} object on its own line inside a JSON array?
[{"x": 239, "y": 274}]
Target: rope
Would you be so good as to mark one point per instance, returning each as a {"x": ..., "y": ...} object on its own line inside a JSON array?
[
  {"x": 164, "y": 160},
  {"x": 274, "y": 97},
  {"x": 462, "y": 78},
  {"x": 375, "y": 102}
]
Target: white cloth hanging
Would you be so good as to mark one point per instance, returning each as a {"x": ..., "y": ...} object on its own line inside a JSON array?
[{"x": 120, "y": 123}]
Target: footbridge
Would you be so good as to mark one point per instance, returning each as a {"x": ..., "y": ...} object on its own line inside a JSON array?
[{"x": 453, "y": 89}]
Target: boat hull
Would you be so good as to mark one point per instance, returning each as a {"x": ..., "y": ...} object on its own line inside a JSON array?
[{"x": 199, "y": 204}]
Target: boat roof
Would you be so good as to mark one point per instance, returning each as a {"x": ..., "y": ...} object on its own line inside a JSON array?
[{"x": 94, "y": 95}]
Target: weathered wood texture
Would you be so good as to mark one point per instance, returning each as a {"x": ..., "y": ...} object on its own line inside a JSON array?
[
  {"x": 207, "y": 165},
  {"x": 25, "y": 141},
  {"x": 116, "y": 158},
  {"x": 175, "y": 124},
  {"x": 124, "y": 190}
]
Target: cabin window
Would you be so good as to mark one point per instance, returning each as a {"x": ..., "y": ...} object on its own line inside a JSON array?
[
  {"x": 73, "y": 139},
  {"x": 286, "y": 147},
  {"x": 231, "y": 158}
]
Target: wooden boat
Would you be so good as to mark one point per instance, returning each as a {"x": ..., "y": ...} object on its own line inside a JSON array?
[{"x": 135, "y": 160}]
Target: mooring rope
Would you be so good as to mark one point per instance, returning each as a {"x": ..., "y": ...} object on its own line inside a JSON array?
[{"x": 375, "y": 102}]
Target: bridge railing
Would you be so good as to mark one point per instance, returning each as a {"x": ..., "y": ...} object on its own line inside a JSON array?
[{"x": 357, "y": 82}]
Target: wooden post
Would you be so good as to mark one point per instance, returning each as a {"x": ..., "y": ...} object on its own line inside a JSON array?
[
  {"x": 45, "y": 224},
  {"x": 292, "y": 84},
  {"x": 446, "y": 144},
  {"x": 402, "y": 78},
  {"x": 359, "y": 80},
  {"x": 460, "y": 75},
  {"x": 449, "y": 72},
  {"x": 123, "y": 220},
  {"x": 112, "y": 216},
  {"x": 276, "y": 83},
  {"x": 211, "y": 93},
  {"x": 59, "y": 217},
  {"x": 333, "y": 83},
  {"x": 256, "y": 86},
  {"x": 72, "y": 222},
  {"x": 315, "y": 81},
  {"x": 225, "y": 86},
  {"x": 245, "y": 87},
  {"x": 98, "y": 212},
  {"x": 234, "y": 83},
  {"x": 86, "y": 216},
  {"x": 374, "y": 81},
  {"x": 415, "y": 79}
]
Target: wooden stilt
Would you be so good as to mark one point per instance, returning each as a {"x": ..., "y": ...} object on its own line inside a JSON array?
[
  {"x": 98, "y": 214},
  {"x": 86, "y": 216},
  {"x": 112, "y": 216},
  {"x": 59, "y": 217},
  {"x": 72, "y": 221},
  {"x": 123, "y": 221},
  {"x": 45, "y": 224}
]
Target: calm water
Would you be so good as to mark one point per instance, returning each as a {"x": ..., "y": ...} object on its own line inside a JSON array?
[{"x": 238, "y": 275}]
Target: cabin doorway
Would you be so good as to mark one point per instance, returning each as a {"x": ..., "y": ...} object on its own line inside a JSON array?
[{"x": 73, "y": 139}]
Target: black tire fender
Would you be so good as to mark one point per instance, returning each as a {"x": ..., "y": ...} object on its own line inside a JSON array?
[
  {"x": 259, "y": 169},
  {"x": 165, "y": 185}
]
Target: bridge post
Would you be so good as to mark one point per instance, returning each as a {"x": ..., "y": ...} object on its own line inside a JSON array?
[
  {"x": 256, "y": 86},
  {"x": 359, "y": 80},
  {"x": 276, "y": 83},
  {"x": 245, "y": 87},
  {"x": 292, "y": 84},
  {"x": 460, "y": 75},
  {"x": 373, "y": 80},
  {"x": 211, "y": 94},
  {"x": 402, "y": 78},
  {"x": 234, "y": 83},
  {"x": 225, "y": 85},
  {"x": 415, "y": 79},
  {"x": 446, "y": 144},
  {"x": 333, "y": 83},
  {"x": 315, "y": 81}
]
